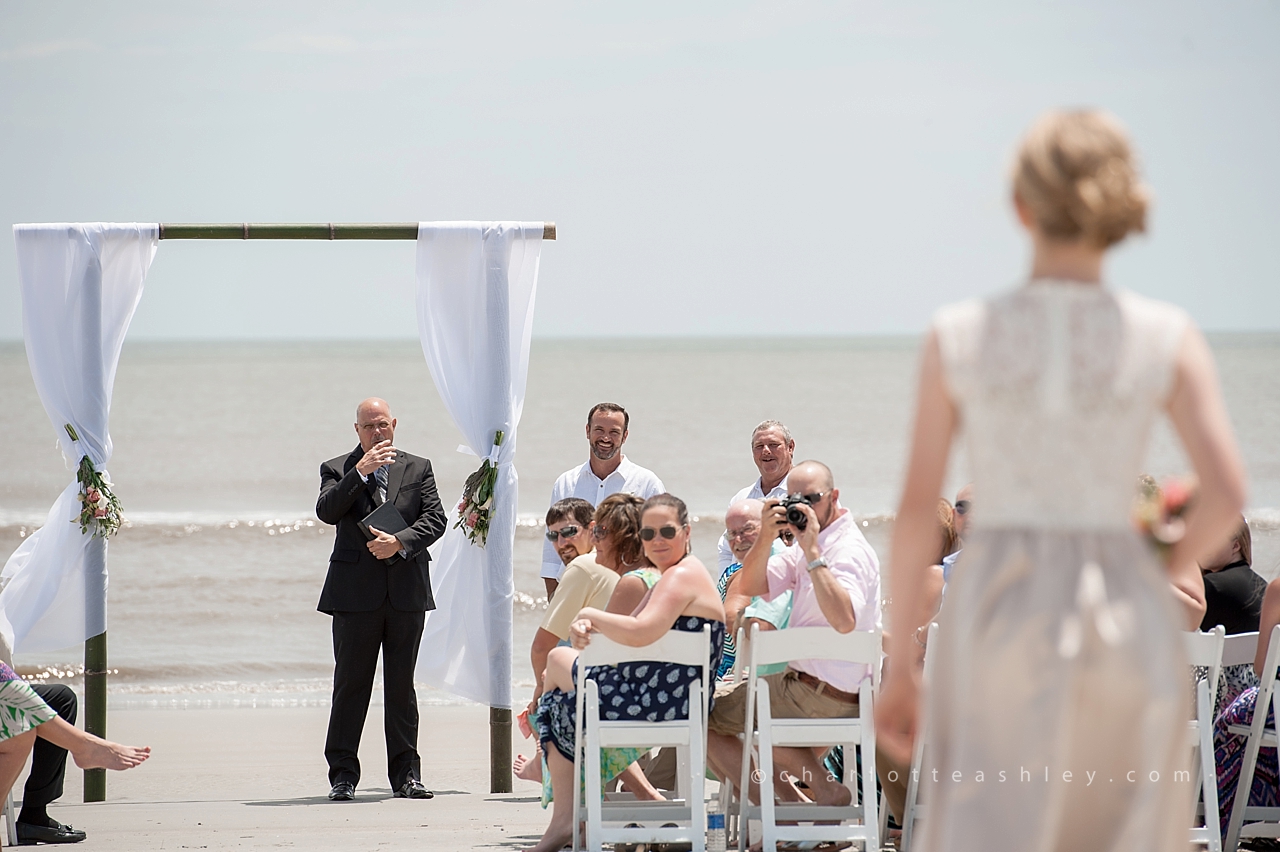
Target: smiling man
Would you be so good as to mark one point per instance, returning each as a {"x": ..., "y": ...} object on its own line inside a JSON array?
[
  {"x": 606, "y": 472},
  {"x": 772, "y": 449}
]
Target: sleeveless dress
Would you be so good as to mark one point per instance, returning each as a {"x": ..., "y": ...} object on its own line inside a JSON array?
[
  {"x": 612, "y": 760},
  {"x": 20, "y": 708},
  {"x": 654, "y": 692},
  {"x": 1059, "y": 640}
]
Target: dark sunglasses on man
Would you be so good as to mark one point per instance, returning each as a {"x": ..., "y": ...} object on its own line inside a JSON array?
[
  {"x": 564, "y": 532},
  {"x": 649, "y": 533}
]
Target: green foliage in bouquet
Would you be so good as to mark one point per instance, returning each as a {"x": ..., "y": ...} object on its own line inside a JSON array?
[
  {"x": 476, "y": 507},
  {"x": 100, "y": 511}
]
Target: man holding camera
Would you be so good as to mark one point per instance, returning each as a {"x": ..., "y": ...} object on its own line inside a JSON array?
[{"x": 834, "y": 578}]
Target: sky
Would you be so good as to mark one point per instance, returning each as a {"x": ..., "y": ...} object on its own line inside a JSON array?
[{"x": 748, "y": 169}]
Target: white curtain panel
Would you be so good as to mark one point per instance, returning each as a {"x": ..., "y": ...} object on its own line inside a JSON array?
[
  {"x": 476, "y": 283},
  {"x": 80, "y": 286}
]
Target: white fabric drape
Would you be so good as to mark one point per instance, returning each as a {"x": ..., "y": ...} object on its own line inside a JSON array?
[
  {"x": 476, "y": 283},
  {"x": 80, "y": 286}
]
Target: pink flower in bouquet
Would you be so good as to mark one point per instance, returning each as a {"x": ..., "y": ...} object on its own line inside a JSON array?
[
  {"x": 99, "y": 513},
  {"x": 92, "y": 495},
  {"x": 472, "y": 519}
]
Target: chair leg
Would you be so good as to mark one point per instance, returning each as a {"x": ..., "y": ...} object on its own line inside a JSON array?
[
  {"x": 768, "y": 816},
  {"x": 1208, "y": 770},
  {"x": 10, "y": 821}
]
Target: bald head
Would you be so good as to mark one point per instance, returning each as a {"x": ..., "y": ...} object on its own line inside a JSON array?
[
  {"x": 810, "y": 477},
  {"x": 742, "y": 525},
  {"x": 374, "y": 423}
]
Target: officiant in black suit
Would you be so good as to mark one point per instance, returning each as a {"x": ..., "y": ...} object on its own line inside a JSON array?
[{"x": 376, "y": 605}]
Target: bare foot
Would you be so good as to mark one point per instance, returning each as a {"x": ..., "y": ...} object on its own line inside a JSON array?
[
  {"x": 552, "y": 841},
  {"x": 100, "y": 754},
  {"x": 528, "y": 768}
]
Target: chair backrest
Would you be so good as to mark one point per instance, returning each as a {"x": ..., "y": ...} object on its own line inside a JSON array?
[
  {"x": 1205, "y": 649},
  {"x": 674, "y": 646},
  {"x": 814, "y": 643},
  {"x": 1239, "y": 649}
]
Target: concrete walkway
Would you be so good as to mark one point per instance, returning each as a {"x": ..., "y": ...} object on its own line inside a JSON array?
[{"x": 256, "y": 779}]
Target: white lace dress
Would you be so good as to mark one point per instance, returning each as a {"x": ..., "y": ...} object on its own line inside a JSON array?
[{"x": 1059, "y": 648}]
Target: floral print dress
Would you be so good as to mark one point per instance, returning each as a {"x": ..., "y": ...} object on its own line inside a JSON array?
[{"x": 20, "y": 708}]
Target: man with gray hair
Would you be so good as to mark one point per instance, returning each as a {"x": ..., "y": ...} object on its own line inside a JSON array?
[{"x": 772, "y": 449}]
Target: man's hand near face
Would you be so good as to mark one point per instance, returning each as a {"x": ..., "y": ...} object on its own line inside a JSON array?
[{"x": 380, "y": 454}]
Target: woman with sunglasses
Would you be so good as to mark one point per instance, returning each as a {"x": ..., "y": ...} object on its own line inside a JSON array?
[{"x": 684, "y": 598}]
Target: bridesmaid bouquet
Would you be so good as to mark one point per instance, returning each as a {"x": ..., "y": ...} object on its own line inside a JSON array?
[
  {"x": 1160, "y": 511},
  {"x": 476, "y": 507},
  {"x": 100, "y": 511}
]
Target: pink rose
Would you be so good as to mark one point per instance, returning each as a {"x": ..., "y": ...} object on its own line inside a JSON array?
[
  {"x": 472, "y": 519},
  {"x": 92, "y": 495},
  {"x": 99, "y": 513}
]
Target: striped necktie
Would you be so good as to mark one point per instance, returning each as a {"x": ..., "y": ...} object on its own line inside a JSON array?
[{"x": 381, "y": 476}]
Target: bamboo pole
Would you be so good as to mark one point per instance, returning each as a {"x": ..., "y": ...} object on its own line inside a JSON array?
[{"x": 305, "y": 231}]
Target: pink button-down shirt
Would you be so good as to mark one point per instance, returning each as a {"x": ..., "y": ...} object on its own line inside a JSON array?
[{"x": 853, "y": 562}]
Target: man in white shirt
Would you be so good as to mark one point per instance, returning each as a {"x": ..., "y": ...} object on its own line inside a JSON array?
[
  {"x": 772, "y": 449},
  {"x": 834, "y": 578},
  {"x": 606, "y": 472}
]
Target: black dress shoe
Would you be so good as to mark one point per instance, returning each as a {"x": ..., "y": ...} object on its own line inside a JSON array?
[
  {"x": 30, "y": 835},
  {"x": 343, "y": 791},
  {"x": 413, "y": 789}
]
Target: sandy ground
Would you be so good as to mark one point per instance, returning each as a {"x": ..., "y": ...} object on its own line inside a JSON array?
[{"x": 256, "y": 779}]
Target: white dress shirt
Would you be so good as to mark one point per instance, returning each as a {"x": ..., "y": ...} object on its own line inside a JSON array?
[
  {"x": 629, "y": 478},
  {"x": 754, "y": 490}
]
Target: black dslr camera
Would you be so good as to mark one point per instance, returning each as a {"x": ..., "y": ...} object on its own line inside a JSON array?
[{"x": 795, "y": 516}]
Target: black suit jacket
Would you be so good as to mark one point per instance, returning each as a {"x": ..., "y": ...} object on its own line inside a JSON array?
[{"x": 357, "y": 582}]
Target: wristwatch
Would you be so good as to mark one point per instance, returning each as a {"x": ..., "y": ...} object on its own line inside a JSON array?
[{"x": 817, "y": 563}]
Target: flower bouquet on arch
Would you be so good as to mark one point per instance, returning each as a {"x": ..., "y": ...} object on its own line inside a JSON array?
[
  {"x": 1160, "y": 511},
  {"x": 476, "y": 507},
  {"x": 100, "y": 511}
]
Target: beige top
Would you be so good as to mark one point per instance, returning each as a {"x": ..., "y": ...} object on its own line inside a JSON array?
[{"x": 584, "y": 583}]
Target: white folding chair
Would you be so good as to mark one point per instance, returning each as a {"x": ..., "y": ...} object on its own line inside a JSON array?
[
  {"x": 1205, "y": 650},
  {"x": 682, "y": 820},
  {"x": 1266, "y": 820},
  {"x": 856, "y": 822},
  {"x": 914, "y": 808},
  {"x": 10, "y": 826},
  {"x": 728, "y": 800}
]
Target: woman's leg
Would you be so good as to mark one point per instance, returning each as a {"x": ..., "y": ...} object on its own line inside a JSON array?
[
  {"x": 635, "y": 782},
  {"x": 560, "y": 670},
  {"x": 90, "y": 752},
  {"x": 563, "y": 790},
  {"x": 13, "y": 757}
]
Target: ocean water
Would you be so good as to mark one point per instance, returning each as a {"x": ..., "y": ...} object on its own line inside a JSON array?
[{"x": 218, "y": 445}]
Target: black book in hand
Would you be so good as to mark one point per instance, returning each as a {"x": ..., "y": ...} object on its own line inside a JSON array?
[{"x": 386, "y": 518}]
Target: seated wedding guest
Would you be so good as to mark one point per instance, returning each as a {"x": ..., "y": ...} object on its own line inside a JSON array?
[
  {"x": 683, "y": 599},
  {"x": 742, "y": 527},
  {"x": 892, "y": 774},
  {"x": 1232, "y": 591},
  {"x": 1229, "y": 748},
  {"x": 588, "y": 580},
  {"x": 835, "y": 579},
  {"x": 772, "y": 449},
  {"x": 48, "y": 769},
  {"x": 1233, "y": 598},
  {"x": 959, "y": 524},
  {"x": 24, "y": 716}
]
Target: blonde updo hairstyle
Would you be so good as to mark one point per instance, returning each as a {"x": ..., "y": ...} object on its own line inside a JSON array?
[{"x": 1075, "y": 174}]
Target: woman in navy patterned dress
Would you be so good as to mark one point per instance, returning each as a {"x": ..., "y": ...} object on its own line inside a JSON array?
[{"x": 684, "y": 599}]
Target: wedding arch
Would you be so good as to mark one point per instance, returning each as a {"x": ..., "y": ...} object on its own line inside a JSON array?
[{"x": 81, "y": 283}]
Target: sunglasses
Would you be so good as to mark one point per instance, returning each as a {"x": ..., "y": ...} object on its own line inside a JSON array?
[
  {"x": 812, "y": 499},
  {"x": 649, "y": 533},
  {"x": 962, "y": 507},
  {"x": 564, "y": 532}
]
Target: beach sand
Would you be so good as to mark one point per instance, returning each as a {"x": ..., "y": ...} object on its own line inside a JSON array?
[{"x": 256, "y": 779}]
